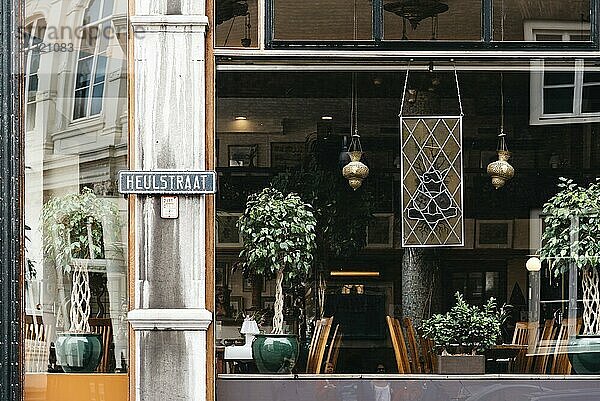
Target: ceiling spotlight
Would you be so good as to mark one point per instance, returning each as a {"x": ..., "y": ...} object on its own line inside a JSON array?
[
  {"x": 240, "y": 118},
  {"x": 326, "y": 118}
]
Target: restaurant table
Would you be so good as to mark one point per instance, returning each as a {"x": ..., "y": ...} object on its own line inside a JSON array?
[{"x": 500, "y": 358}]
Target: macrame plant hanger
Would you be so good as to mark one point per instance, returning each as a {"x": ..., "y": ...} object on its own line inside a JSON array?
[{"x": 432, "y": 176}]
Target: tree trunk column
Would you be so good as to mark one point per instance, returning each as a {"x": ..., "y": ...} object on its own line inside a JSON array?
[
  {"x": 421, "y": 287},
  {"x": 170, "y": 319}
]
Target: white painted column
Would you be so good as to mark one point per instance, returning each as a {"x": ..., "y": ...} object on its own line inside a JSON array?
[{"x": 170, "y": 319}]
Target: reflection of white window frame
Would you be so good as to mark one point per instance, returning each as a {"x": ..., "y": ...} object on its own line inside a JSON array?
[
  {"x": 30, "y": 48},
  {"x": 536, "y": 99},
  {"x": 100, "y": 23}
]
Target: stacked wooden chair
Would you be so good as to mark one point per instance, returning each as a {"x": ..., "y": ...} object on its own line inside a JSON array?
[
  {"x": 320, "y": 345},
  {"x": 413, "y": 353}
]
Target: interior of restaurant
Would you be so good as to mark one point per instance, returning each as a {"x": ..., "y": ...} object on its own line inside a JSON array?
[{"x": 291, "y": 130}]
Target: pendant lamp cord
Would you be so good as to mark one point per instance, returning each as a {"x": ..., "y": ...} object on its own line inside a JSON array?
[
  {"x": 460, "y": 106},
  {"x": 501, "y": 104}
]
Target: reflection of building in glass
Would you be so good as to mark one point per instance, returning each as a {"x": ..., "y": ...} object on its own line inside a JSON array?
[{"x": 76, "y": 138}]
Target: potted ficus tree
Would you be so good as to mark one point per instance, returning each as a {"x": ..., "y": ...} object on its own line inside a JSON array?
[
  {"x": 278, "y": 234},
  {"x": 461, "y": 333},
  {"x": 571, "y": 237},
  {"x": 77, "y": 229}
]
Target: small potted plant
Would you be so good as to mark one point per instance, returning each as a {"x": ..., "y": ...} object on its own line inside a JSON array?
[
  {"x": 571, "y": 237},
  {"x": 461, "y": 333},
  {"x": 278, "y": 234}
]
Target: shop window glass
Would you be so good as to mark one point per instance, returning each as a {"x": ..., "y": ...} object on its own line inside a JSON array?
[
  {"x": 323, "y": 20},
  {"x": 457, "y": 21},
  {"x": 236, "y": 23},
  {"x": 75, "y": 283},
  {"x": 539, "y": 20},
  {"x": 290, "y": 131}
]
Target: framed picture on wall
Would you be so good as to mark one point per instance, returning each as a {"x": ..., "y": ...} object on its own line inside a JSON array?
[
  {"x": 494, "y": 234},
  {"x": 248, "y": 284},
  {"x": 243, "y": 155},
  {"x": 237, "y": 305},
  {"x": 287, "y": 154},
  {"x": 268, "y": 302},
  {"x": 228, "y": 235},
  {"x": 380, "y": 231}
]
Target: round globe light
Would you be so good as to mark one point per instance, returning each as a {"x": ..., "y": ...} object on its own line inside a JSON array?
[{"x": 534, "y": 264}]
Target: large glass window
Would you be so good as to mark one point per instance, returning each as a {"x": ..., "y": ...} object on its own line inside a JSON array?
[
  {"x": 366, "y": 302},
  {"x": 76, "y": 292},
  {"x": 236, "y": 23}
]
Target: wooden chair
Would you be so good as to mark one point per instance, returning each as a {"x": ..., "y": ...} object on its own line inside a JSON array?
[
  {"x": 525, "y": 334},
  {"x": 543, "y": 347},
  {"x": 37, "y": 346},
  {"x": 104, "y": 328},
  {"x": 429, "y": 355},
  {"x": 414, "y": 346},
  {"x": 560, "y": 359},
  {"x": 334, "y": 350},
  {"x": 318, "y": 344},
  {"x": 399, "y": 345}
]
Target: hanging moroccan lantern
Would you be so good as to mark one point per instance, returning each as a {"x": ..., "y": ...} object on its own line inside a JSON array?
[
  {"x": 500, "y": 170},
  {"x": 355, "y": 171}
]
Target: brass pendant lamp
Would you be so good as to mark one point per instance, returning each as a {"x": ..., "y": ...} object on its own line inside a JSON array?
[
  {"x": 500, "y": 170},
  {"x": 355, "y": 171}
]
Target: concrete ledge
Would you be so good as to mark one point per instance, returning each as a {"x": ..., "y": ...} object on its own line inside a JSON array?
[
  {"x": 170, "y": 319},
  {"x": 168, "y": 23}
]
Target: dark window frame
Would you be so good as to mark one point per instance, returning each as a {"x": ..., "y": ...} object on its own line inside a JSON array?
[
  {"x": 11, "y": 193},
  {"x": 487, "y": 43}
]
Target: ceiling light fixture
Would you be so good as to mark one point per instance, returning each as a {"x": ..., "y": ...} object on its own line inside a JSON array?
[
  {"x": 241, "y": 118},
  {"x": 326, "y": 118}
]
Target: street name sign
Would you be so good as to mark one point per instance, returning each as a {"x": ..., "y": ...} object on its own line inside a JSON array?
[{"x": 167, "y": 182}]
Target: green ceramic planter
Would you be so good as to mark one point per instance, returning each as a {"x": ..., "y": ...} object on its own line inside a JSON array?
[
  {"x": 275, "y": 353},
  {"x": 584, "y": 354},
  {"x": 78, "y": 352}
]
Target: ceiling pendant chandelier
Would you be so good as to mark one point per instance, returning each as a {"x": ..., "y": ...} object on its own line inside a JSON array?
[
  {"x": 500, "y": 170},
  {"x": 355, "y": 171},
  {"x": 416, "y": 11}
]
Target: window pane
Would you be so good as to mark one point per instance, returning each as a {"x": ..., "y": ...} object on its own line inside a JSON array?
[
  {"x": 80, "y": 108},
  {"x": 33, "y": 83},
  {"x": 97, "y": 99},
  {"x": 591, "y": 77},
  {"x": 237, "y": 23},
  {"x": 84, "y": 72},
  {"x": 323, "y": 20},
  {"x": 591, "y": 99},
  {"x": 545, "y": 20},
  {"x": 558, "y": 100},
  {"x": 559, "y": 78},
  {"x": 294, "y": 136},
  {"x": 100, "y": 69},
  {"x": 92, "y": 13},
  {"x": 88, "y": 41},
  {"x": 108, "y": 8},
  {"x": 461, "y": 21}
]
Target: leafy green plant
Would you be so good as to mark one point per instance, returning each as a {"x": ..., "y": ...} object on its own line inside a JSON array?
[
  {"x": 342, "y": 213},
  {"x": 278, "y": 234},
  {"x": 465, "y": 326},
  {"x": 65, "y": 222},
  {"x": 572, "y": 235}
]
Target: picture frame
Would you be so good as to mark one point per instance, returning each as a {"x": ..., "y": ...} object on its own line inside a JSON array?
[
  {"x": 221, "y": 272},
  {"x": 268, "y": 303},
  {"x": 380, "y": 231},
  {"x": 243, "y": 155},
  {"x": 287, "y": 154},
  {"x": 494, "y": 234},
  {"x": 237, "y": 305},
  {"x": 247, "y": 284},
  {"x": 227, "y": 233}
]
